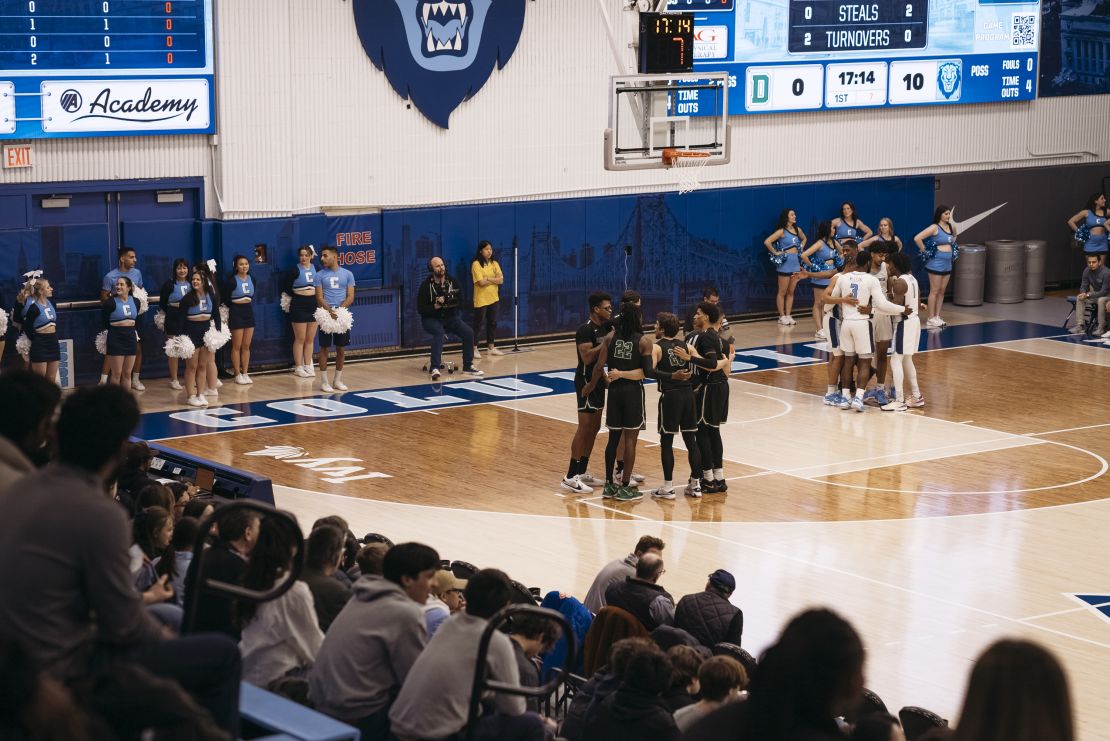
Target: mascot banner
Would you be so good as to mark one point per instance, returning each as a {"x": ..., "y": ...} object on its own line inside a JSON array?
[{"x": 439, "y": 54}]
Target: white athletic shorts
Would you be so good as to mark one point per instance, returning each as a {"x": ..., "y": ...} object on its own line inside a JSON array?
[
  {"x": 907, "y": 335},
  {"x": 884, "y": 327},
  {"x": 857, "y": 338},
  {"x": 832, "y": 326}
]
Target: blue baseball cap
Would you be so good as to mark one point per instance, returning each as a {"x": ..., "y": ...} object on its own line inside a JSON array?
[{"x": 722, "y": 578}]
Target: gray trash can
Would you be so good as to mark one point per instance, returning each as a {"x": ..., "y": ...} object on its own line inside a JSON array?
[
  {"x": 1005, "y": 271},
  {"x": 968, "y": 275},
  {"x": 1036, "y": 254}
]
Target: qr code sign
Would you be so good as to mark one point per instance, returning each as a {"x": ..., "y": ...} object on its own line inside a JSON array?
[{"x": 1024, "y": 31}]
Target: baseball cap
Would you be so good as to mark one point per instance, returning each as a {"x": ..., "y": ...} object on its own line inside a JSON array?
[
  {"x": 444, "y": 581},
  {"x": 722, "y": 578}
]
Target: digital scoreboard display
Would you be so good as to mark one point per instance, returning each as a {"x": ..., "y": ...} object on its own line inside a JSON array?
[
  {"x": 106, "y": 67},
  {"x": 790, "y": 55},
  {"x": 666, "y": 42}
]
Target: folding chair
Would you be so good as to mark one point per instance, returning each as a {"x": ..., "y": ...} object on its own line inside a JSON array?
[
  {"x": 916, "y": 722},
  {"x": 1090, "y": 322}
]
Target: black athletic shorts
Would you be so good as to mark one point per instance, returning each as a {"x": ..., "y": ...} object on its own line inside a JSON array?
[
  {"x": 712, "y": 403},
  {"x": 626, "y": 408},
  {"x": 339, "y": 340},
  {"x": 677, "y": 411},
  {"x": 593, "y": 403}
]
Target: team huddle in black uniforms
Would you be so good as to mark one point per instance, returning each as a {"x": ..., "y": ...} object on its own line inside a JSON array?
[{"x": 692, "y": 373}]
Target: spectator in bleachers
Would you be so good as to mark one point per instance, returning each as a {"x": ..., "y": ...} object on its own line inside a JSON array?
[
  {"x": 618, "y": 570},
  {"x": 708, "y": 615},
  {"x": 684, "y": 688},
  {"x": 78, "y": 607},
  {"x": 185, "y": 533},
  {"x": 878, "y": 727},
  {"x": 1018, "y": 692},
  {"x": 134, "y": 473},
  {"x": 181, "y": 497},
  {"x": 281, "y": 637},
  {"x": 1093, "y": 286},
  {"x": 435, "y": 696},
  {"x": 370, "y": 558},
  {"x": 226, "y": 561},
  {"x": 580, "y": 620},
  {"x": 36, "y": 706},
  {"x": 348, "y": 570},
  {"x": 635, "y": 711},
  {"x": 153, "y": 494},
  {"x": 601, "y": 685},
  {"x": 323, "y": 557},
  {"x": 370, "y": 648},
  {"x": 445, "y": 600},
  {"x": 812, "y": 675},
  {"x": 532, "y": 637},
  {"x": 200, "y": 509},
  {"x": 642, "y": 596},
  {"x": 152, "y": 530},
  {"x": 721, "y": 679},
  {"x": 28, "y": 401}
]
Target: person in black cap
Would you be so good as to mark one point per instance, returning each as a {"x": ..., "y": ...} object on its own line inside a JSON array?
[{"x": 708, "y": 615}]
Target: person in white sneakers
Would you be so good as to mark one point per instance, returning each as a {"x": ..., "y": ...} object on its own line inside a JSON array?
[
  {"x": 126, "y": 261},
  {"x": 857, "y": 333},
  {"x": 335, "y": 288},
  {"x": 437, "y": 300},
  {"x": 239, "y": 297},
  {"x": 820, "y": 263},
  {"x": 487, "y": 276},
  {"x": 785, "y": 245},
  {"x": 907, "y": 334},
  {"x": 589, "y": 389},
  {"x": 1094, "y": 286},
  {"x": 199, "y": 306},
  {"x": 300, "y": 284},
  {"x": 831, "y": 324}
]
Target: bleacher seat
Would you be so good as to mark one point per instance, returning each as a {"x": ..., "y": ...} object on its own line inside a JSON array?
[
  {"x": 916, "y": 722},
  {"x": 274, "y": 714}
]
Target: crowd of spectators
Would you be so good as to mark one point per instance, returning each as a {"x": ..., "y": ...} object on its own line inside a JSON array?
[{"x": 385, "y": 637}]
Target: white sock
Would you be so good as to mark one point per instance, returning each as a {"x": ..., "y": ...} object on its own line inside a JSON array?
[
  {"x": 338, "y": 375},
  {"x": 668, "y": 485},
  {"x": 134, "y": 376},
  {"x": 831, "y": 389},
  {"x": 859, "y": 393},
  {"x": 103, "y": 378},
  {"x": 707, "y": 474},
  {"x": 719, "y": 474}
]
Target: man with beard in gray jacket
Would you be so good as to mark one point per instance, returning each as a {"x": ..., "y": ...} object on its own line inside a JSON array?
[{"x": 374, "y": 641}]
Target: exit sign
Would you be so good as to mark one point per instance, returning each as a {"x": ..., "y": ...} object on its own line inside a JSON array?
[{"x": 15, "y": 156}]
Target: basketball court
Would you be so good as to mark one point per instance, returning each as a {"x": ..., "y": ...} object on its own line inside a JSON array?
[{"x": 936, "y": 531}]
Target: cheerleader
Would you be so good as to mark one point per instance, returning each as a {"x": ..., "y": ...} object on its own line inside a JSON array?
[
  {"x": 885, "y": 234},
  {"x": 785, "y": 245},
  {"x": 848, "y": 225},
  {"x": 118, "y": 312},
  {"x": 239, "y": 297},
  {"x": 21, "y": 300},
  {"x": 335, "y": 292},
  {"x": 199, "y": 307},
  {"x": 1093, "y": 226},
  {"x": 40, "y": 324},
  {"x": 169, "y": 300},
  {"x": 300, "y": 284},
  {"x": 821, "y": 260},
  {"x": 938, "y": 265}
]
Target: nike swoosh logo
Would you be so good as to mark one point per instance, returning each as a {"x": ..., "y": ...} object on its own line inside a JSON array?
[{"x": 963, "y": 226}]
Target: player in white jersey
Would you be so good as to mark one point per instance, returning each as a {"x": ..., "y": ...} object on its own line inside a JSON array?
[
  {"x": 830, "y": 324},
  {"x": 856, "y": 336},
  {"x": 907, "y": 335},
  {"x": 883, "y": 324}
]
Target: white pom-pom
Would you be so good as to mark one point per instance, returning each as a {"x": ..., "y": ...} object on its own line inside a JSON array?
[
  {"x": 3, "y": 324},
  {"x": 214, "y": 338},
  {"x": 23, "y": 346},
  {"x": 142, "y": 298},
  {"x": 286, "y": 301},
  {"x": 160, "y": 320},
  {"x": 102, "y": 342},
  {"x": 180, "y": 347},
  {"x": 225, "y": 313},
  {"x": 342, "y": 323}
]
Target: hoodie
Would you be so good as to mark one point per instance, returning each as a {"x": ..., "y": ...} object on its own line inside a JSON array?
[
  {"x": 430, "y": 290},
  {"x": 368, "y": 651},
  {"x": 630, "y": 715}
]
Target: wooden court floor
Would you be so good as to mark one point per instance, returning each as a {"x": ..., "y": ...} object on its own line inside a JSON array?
[{"x": 936, "y": 531}]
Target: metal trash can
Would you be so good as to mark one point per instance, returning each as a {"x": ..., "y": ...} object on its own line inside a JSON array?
[
  {"x": 968, "y": 275},
  {"x": 1036, "y": 254},
  {"x": 1005, "y": 271}
]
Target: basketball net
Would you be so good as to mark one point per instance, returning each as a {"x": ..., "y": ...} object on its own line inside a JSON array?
[{"x": 686, "y": 168}]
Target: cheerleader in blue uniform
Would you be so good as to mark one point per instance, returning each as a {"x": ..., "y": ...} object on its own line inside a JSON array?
[
  {"x": 938, "y": 265},
  {"x": 1092, "y": 220},
  {"x": 300, "y": 283},
  {"x": 239, "y": 297},
  {"x": 200, "y": 308},
  {"x": 885, "y": 234},
  {"x": 169, "y": 300},
  {"x": 848, "y": 225},
  {"x": 40, "y": 324},
  {"x": 821, "y": 260},
  {"x": 119, "y": 312},
  {"x": 785, "y": 245}
]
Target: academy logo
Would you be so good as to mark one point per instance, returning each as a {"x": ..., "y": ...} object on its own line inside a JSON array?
[{"x": 439, "y": 54}]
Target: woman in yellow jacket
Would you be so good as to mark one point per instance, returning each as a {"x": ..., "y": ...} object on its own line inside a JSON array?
[{"x": 487, "y": 277}]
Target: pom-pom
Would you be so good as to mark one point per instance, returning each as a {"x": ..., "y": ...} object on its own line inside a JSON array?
[
  {"x": 819, "y": 267},
  {"x": 778, "y": 258},
  {"x": 211, "y": 266},
  {"x": 1083, "y": 233},
  {"x": 160, "y": 320},
  {"x": 955, "y": 251},
  {"x": 142, "y": 298},
  {"x": 102, "y": 342},
  {"x": 180, "y": 347},
  {"x": 838, "y": 261},
  {"x": 3, "y": 323},
  {"x": 23, "y": 346},
  {"x": 930, "y": 248},
  {"x": 225, "y": 313},
  {"x": 214, "y": 338},
  {"x": 286, "y": 301},
  {"x": 342, "y": 323}
]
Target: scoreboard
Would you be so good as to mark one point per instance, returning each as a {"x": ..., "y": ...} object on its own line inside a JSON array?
[
  {"x": 106, "y": 68},
  {"x": 792, "y": 55}
]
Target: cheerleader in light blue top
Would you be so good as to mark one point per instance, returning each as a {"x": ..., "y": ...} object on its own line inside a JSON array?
[
  {"x": 119, "y": 313},
  {"x": 822, "y": 260},
  {"x": 849, "y": 226},
  {"x": 785, "y": 245},
  {"x": 300, "y": 284},
  {"x": 169, "y": 300},
  {"x": 126, "y": 267},
  {"x": 40, "y": 324},
  {"x": 335, "y": 292},
  {"x": 937, "y": 244},
  {"x": 1090, "y": 225},
  {"x": 239, "y": 297}
]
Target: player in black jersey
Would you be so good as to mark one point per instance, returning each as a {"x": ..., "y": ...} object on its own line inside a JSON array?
[
  {"x": 626, "y": 414},
  {"x": 710, "y": 393},
  {"x": 589, "y": 388},
  {"x": 628, "y": 297},
  {"x": 677, "y": 408}
]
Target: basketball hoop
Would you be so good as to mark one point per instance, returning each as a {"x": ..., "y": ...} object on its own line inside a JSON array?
[{"x": 686, "y": 166}]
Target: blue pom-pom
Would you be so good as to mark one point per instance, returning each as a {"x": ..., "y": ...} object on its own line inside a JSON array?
[
  {"x": 930, "y": 248},
  {"x": 838, "y": 261},
  {"x": 778, "y": 259},
  {"x": 819, "y": 267},
  {"x": 955, "y": 251},
  {"x": 1083, "y": 233}
]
